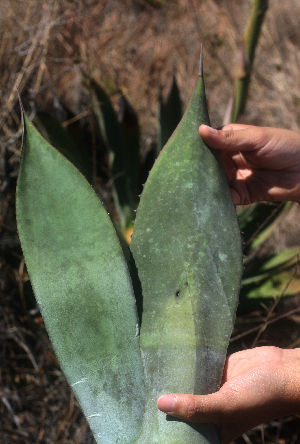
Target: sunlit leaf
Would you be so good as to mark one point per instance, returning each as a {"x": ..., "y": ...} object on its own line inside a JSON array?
[
  {"x": 187, "y": 248},
  {"x": 82, "y": 284}
]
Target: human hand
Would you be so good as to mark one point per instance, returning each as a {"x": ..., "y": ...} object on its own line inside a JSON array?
[
  {"x": 261, "y": 163},
  {"x": 257, "y": 385}
]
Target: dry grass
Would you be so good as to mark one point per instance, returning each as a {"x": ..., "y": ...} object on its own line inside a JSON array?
[{"x": 133, "y": 47}]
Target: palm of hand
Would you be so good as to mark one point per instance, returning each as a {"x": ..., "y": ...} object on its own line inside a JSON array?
[{"x": 254, "y": 390}]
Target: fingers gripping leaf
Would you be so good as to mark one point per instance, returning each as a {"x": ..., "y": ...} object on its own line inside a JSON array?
[{"x": 187, "y": 248}]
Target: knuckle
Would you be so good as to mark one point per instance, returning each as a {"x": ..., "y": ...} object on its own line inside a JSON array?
[
  {"x": 229, "y": 135},
  {"x": 270, "y": 355},
  {"x": 194, "y": 408}
]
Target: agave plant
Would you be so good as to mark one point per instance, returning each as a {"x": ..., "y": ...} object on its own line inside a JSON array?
[
  {"x": 266, "y": 276},
  {"x": 130, "y": 325}
]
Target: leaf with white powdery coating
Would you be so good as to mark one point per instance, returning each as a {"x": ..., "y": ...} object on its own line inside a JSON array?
[
  {"x": 81, "y": 282},
  {"x": 187, "y": 247}
]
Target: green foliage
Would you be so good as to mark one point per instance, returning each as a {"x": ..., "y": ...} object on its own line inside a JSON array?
[
  {"x": 101, "y": 294},
  {"x": 81, "y": 281},
  {"x": 266, "y": 274},
  {"x": 247, "y": 52},
  {"x": 187, "y": 248},
  {"x": 186, "y": 261},
  {"x": 69, "y": 142},
  {"x": 157, "y": 2}
]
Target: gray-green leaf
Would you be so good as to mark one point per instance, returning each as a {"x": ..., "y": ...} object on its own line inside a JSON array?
[
  {"x": 81, "y": 282},
  {"x": 187, "y": 247}
]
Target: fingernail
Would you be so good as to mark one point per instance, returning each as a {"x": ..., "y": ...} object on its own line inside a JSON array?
[
  {"x": 209, "y": 130},
  {"x": 166, "y": 403}
]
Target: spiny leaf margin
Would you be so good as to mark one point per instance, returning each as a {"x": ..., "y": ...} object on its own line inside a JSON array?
[{"x": 81, "y": 282}]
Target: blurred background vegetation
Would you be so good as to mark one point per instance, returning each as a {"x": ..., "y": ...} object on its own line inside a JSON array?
[{"x": 49, "y": 52}]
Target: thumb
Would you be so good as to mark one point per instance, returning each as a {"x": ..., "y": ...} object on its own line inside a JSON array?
[
  {"x": 193, "y": 408},
  {"x": 235, "y": 137}
]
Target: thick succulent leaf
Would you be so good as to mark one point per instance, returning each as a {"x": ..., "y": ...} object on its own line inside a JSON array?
[
  {"x": 187, "y": 247},
  {"x": 170, "y": 114},
  {"x": 66, "y": 144},
  {"x": 81, "y": 282}
]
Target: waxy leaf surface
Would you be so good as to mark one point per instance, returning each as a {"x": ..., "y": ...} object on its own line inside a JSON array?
[
  {"x": 81, "y": 282},
  {"x": 187, "y": 247}
]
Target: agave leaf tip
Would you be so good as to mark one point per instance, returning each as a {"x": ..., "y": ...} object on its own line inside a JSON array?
[
  {"x": 201, "y": 62},
  {"x": 22, "y": 109}
]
